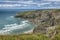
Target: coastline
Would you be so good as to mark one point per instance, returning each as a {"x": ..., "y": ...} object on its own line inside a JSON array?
[{"x": 44, "y": 19}]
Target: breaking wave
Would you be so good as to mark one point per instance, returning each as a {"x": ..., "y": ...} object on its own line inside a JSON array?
[{"x": 10, "y": 27}]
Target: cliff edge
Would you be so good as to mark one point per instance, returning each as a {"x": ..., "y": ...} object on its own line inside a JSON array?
[{"x": 45, "y": 20}]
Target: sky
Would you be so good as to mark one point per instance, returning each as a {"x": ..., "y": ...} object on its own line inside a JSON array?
[{"x": 29, "y": 4}]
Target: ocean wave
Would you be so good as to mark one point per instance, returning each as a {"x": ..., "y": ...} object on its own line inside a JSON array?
[
  {"x": 10, "y": 18},
  {"x": 10, "y": 27}
]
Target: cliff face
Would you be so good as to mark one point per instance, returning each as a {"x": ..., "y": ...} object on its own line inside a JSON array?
[{"x": 45, "y": 20}]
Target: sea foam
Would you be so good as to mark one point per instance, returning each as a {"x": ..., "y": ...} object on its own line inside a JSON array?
[{"x": 10, "y": 27}]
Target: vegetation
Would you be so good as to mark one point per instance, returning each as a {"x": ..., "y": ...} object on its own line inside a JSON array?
[
  {"x": 28, "y": 37},
  {"x": 57, "y": 37},
  {"x": 24, "y": 37},
  {"x": 24, "y": 13}
]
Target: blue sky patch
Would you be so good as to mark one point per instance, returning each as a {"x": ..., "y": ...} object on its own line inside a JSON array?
[{"x": 29, "y": 4}]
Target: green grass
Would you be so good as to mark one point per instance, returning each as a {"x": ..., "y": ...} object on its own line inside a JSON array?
[
  {"x": 28, "y": 37},
  {"x": 24, "y": 37},
  {"x": 25, "y": 13},
  {"x": 57, "y": 37}
]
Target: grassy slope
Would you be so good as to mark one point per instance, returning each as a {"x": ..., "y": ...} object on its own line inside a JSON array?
[
  {"x": 34, "y": 11},
  {"x": 24, "y": 37},
  {"x": 28, "y": 37}
]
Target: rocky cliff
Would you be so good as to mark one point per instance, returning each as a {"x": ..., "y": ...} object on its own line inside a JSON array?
[{"x": 46, "y": 21}]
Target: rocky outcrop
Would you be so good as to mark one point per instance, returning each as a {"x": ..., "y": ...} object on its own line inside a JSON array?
[{"x": 45, "y": 20}]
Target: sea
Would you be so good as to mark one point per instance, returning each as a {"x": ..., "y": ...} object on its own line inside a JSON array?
[{"x": 11, "y": 25}]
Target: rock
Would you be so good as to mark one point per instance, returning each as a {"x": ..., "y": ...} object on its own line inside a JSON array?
[{"x": 43, "y": 19}]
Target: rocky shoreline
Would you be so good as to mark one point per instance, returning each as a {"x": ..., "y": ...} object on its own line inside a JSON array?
[{"x": 46, "y": 20}]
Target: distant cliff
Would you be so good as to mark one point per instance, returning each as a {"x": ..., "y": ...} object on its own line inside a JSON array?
[{"x": 45, "y": 20}]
